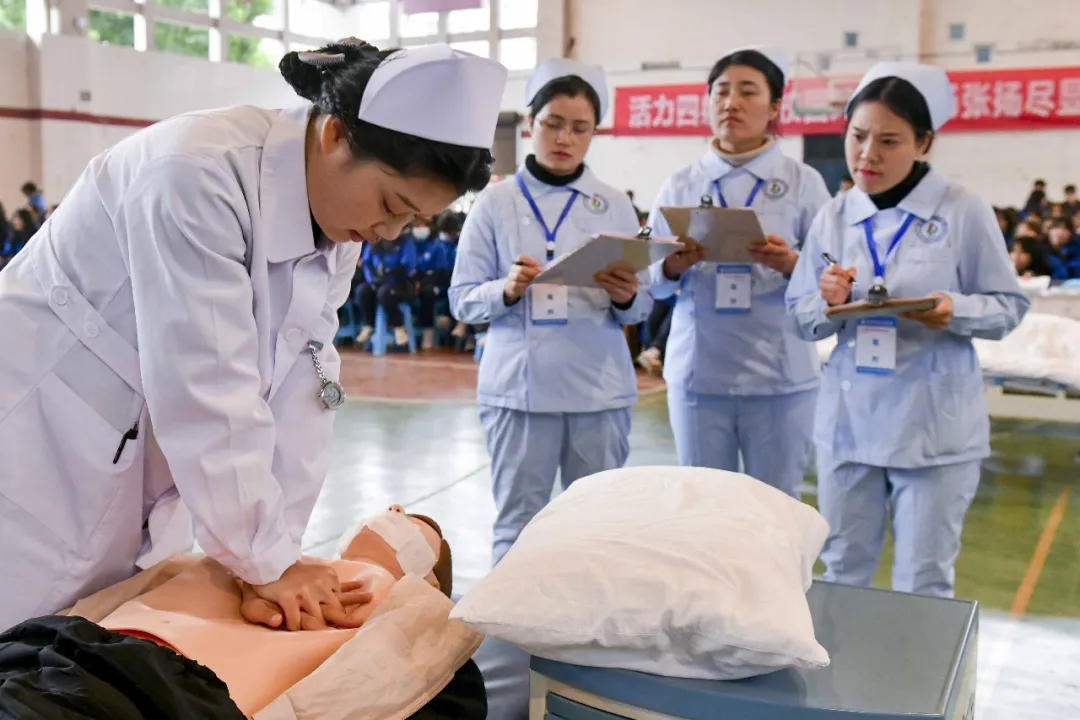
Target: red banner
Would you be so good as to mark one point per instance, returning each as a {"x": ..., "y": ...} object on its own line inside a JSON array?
[{"x": 1017, "y": 99}]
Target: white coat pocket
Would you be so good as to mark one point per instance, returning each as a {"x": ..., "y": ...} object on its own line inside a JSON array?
[{"x": 68, "y": 485}]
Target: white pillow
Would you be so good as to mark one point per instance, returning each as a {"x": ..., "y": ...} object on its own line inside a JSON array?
[{"x": 680, "y": 572}]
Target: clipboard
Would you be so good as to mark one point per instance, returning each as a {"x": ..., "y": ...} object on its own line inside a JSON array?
[
  {"x": 725, "y": 233},
  {"x": 891, "y": 308},
  {"x": 605, "y": 251}
]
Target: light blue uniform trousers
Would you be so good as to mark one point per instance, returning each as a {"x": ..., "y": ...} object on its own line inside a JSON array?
[
  {"x": 773, "y": 433},
  {"x": 529, "y": 449},
  {"x": 927, "y": 506}
]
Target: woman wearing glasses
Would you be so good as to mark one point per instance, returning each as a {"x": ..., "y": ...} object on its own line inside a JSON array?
[{"x": 556, "y": 379}]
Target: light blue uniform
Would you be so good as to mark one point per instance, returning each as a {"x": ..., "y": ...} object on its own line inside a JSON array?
[
  {"x": 554, "y": 397},
  {"x": 911, "y": 439},
  {"x": 741, "y": 383}
]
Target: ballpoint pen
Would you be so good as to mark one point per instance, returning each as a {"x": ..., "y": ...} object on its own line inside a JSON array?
[{"x": 832, "y": 261}]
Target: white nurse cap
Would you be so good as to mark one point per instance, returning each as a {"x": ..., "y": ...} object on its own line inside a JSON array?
[
  {"x": 775, "y": 54},
  {"x": 437, "y": 93},
  {"x": 931, "y": 82},
  {"x": 561, "y": 67}
]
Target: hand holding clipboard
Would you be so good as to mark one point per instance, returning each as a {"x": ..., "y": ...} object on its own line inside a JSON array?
[{"x": 933, "y": 311}]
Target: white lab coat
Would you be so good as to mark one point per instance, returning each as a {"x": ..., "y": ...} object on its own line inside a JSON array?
[{"x": 175, "y": 290}]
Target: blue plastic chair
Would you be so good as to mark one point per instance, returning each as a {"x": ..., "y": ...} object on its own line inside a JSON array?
[{"x": 381, "y": 339}]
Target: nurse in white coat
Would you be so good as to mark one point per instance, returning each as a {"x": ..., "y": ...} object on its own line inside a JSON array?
[
  {"x": 740, "y": 381},
  {"x": 557, "y": 382},
  {"x": 902, "y": 423},
  {"x": 168, "y": 331}
]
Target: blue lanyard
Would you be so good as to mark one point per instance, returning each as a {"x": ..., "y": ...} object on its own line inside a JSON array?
[
  {"x": 749, "y": 201},
  {"x": 879, "y": 266},
  {"x": 549, "y": 234}
]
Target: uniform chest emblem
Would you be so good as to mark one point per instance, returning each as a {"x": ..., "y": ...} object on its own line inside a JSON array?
[
  {"x": 776, "y": 189},
  {"x": 933, "y": 230},
  {"x": 596, "y": 204}
]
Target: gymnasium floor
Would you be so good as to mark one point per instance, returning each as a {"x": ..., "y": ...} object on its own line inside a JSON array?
[{"x": 410, "y": 435}]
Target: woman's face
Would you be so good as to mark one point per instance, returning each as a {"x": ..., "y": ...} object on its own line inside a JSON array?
[
  {"x": 740, "y": 108},
  {"x": 562, "y": 132},
  {"x": 363, "y": 201},
  {"x": 1059, "y": 236},
  {"x": 1021, "y": 259},
  {"x": 880, "y": 147}
]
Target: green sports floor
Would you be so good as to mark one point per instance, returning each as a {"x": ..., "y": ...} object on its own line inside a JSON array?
[{"x": 1021, "y": 544}]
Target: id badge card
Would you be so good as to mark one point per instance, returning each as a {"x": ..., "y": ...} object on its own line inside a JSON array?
[
  {"x": 733, "y": 285},
  {"x": 875, "y": 346},
  {"x": 550, "y": 304}
]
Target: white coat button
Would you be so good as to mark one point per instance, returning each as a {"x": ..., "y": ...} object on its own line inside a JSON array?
[
  {"x": 845, "y": 386},
  {"x": 91, "y": 330},
  {"x": 293, "y": 335},
  {"x": 59, "y": 296}
]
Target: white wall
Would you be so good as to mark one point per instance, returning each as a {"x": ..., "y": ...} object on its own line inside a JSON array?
[
  {"x": 19, "y": 136},
  {"x": 620, "y": 35},
  {"x": 122, "y": 85}
]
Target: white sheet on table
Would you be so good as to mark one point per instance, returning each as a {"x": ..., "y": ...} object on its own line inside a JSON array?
[{"x": 1042, "y": 347}]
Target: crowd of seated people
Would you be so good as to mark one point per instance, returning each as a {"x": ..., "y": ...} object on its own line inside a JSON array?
[
  {"x": 17, "y": 228},
  {"x": 1043, "y": 236},
  {"x": 410, "y": 274}
]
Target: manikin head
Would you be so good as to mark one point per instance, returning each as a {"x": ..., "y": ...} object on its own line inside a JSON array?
[{"x": 403, "y": 543}]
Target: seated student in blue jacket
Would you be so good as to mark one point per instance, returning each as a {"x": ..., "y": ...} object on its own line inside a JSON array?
[
  {"x": 1064, "y": 251},
  {"x": 388, "y": 267},
  {"x": 435, "y": 255}
]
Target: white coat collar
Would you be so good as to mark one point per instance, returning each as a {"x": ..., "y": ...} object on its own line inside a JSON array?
[
  {"x": 588, "y": 184},
  {"x": 765, "y": 166},
  {"x": 283, "y": 198},
  {"x": 921, "y": 202}
]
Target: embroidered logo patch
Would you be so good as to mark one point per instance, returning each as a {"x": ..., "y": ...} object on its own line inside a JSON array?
[
  {"x": 933, "y": 230},
  {"x": 596, "y": 204},
  {"x": 776, "y": 189}
]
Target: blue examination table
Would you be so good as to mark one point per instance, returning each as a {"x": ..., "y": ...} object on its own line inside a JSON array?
[{"x": 894, "y": 656}]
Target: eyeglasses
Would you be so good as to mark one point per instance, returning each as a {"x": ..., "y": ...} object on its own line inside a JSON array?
[{"x": 558, "y": 125}]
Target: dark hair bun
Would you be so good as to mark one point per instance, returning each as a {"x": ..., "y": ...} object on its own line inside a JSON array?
[
  {"x": 305, "y": 79},
  {"x": 307, "y": 71}
]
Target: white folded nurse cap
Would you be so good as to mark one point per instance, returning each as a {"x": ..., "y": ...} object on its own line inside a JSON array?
[
  {"x": 437, "y": 93},
  {"x": 931, "y": 82},
  {"x": 561, "y": 67},
  {"x": 775, "y": 54}
]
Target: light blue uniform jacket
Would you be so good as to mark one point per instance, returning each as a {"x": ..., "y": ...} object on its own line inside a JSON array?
[
  {"x": 581, "y": 366},
  {"x": 754, "y": 353},
  {"x": 932, "y": 410}
]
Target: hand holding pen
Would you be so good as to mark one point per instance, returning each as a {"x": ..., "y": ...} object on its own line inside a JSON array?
[
  {"x": 836, "y": 283},
  {"x": 522, "y": 273}
]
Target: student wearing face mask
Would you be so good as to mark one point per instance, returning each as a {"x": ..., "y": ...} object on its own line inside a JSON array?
[
  {"x": 740, "y": 381},
  {"x": 388, "y": 267},
  {"x": 435, "y": 253},
  {"x": 902, "y": 423},
  {"x": 556, "y": 382}
]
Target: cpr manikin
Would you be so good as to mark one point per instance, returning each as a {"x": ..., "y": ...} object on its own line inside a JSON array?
[{"x": 200, "y": 613}]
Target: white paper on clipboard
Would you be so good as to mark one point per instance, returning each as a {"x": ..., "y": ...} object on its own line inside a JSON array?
[
  {"x": 605, "y": 251},
  {"x": 725, "y": 233}
]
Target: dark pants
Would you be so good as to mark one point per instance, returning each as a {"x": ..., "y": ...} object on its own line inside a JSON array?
[
  {"x": 433, "y": 285},
  {"x": 388, "y": 296},
  {"x": 657, "y": 327}
]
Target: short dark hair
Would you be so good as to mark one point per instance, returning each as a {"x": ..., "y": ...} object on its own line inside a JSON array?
[
  {"x": 774, "y": 78},
  {"x": 337, "y": 90},
  {"x": 902, "y": 99},
  {"x": 570, "y": 86},
  {"x": 1070, "y": 188},
  {"x": 29, "y": 188}
]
